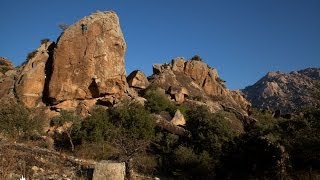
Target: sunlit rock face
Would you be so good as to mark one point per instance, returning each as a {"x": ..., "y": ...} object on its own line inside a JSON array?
[{"x": 88, "y": 60}]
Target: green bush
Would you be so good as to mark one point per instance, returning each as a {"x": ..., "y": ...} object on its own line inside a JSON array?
[
  {"x": 128, "y": 128},
  {"x": 31, "y": 54},
  {"x": 4, "y": 69},
  {"x": 196, "y": 58},
  {"x": 97, "y": 127},
  {"x": 134, "y": 120},
  {"x": 16, "y": 121},
  {"x": 190, "y": 164},
  {"x": 69, "y": 138},
  {"x": 157, "y": 101},
  {"x": 251, "y": 156},
  {"x": 145, "y": 164},
  {"x": 209, "y": 131}
]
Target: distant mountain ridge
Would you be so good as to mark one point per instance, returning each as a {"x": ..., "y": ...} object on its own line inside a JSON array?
[{"x": 288, "y": 92}]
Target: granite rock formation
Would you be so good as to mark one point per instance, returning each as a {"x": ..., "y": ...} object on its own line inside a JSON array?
[
  {"x": 288, "y": 92},
  {"x": 30, "y": 84},
  {"x": 88, "y": 60},
  {"x": 137, "y": 79},
  {"x": 196, "y": 80}
]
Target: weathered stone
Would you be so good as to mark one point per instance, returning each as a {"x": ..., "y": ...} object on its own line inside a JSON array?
[
  {"x": 289, "y": 92},
  {"x": 89, "y": 59},
  {"x": 107, "y": 101},
  {"x": 197, "y": 70},
  {"x": 157, "y": 68},
  {"x": 195, "y": 79},
  {"x": 6, "y": 62},
  {"x": 5, "y": 65},
  {"x": 84, "y": 107},
  {"x": 170, "y": 127},
  {"x": 238, "y": 97},
  {"x": 69, "y": 105},
  {"x": 109, "y": 170},
  {"x": 138, "y": 79},
  {"x": 178, "y": 119},
  {"x": 7, "y": 79},
  {"x": 178, "y": 64},
  {"x": 11, "y": 72},
  {"x": 178, "y": 93},
  {"x": 30, "y": 83}
]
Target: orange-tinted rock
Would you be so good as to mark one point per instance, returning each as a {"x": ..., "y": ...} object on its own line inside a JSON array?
[
  {"x": 138, "y": 79},
  {"x": 30, "y": 83},
  {"x": 7, "y": 76},
  {"x": 199, "y": 81},
  {"x": 89, "y": 59}
]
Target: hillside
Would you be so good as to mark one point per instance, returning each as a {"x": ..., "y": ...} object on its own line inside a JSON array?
[
  {"x": 70, "y": 111},
  {"x": 288, "y": 92}
]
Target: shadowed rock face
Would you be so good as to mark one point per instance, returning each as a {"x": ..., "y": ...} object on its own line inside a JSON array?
[
  {"x": 286, "y": 91},
  {"x": 89, "y": 59}
]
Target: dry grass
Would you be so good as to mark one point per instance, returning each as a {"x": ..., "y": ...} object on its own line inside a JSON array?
[{"x": 19, "y": 159}]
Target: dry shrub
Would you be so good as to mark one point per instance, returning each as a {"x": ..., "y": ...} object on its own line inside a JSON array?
[
  {"x": 145, "y": 164},
  {"x": 96, "y": 151}
]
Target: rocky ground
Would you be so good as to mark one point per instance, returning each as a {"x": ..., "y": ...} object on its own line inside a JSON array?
[{"x": 34, "y": 162}]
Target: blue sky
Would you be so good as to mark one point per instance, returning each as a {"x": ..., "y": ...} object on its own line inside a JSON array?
[{"x": 243, "y": 39}]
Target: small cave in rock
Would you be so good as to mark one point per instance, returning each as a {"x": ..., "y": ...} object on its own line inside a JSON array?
[{"x": 94, "y": 90}]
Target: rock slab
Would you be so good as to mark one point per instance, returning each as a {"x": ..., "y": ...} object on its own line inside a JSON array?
[
  {"x": 30, "y": 83},
  {"x": 88, "y": 60},
  {"x": 106, "y": 170}
]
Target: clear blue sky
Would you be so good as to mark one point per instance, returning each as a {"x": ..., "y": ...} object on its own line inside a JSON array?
[{"x": 243, "y": 39}]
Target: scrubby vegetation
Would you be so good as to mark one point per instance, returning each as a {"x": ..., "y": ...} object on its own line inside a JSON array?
[
  {"x": 31, "y": 54},
  {"x": 4, "y": 69},
  {"x": 272, "y": 148},
  {"x": 196, "y": 58},
  {"x": 17, "y": 123},
  {"x": 45, "y": 40}
]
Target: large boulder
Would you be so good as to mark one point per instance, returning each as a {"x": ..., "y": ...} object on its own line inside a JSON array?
[
  {"x": 109, "y": 170},
  {"x": 178, "y": 119},
  {"x": 89, "y": 59},
  {"x": 137, "y": 79},
  {"x": 30, "y": 83}
]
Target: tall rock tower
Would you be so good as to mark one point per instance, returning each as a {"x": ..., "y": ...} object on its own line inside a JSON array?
[{"x": 88, "y": 61}]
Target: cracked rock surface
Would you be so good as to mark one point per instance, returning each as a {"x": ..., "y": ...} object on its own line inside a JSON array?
[{"x": 88, "y": 60}]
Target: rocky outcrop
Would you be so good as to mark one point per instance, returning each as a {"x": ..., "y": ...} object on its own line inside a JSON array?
[
  {"x": 7, "y": 79},
  {"x": 178, "y": 119},
  {"x": 196, "y": 80},
  {"x": 89, "y": 60},
  {"x": 30, "y": 83},
  {"x": 163, "y": 123},
  {"x": 178, "y": 93},
  {"x": 289, "y": 92},
  {"x": 109, "y": 170},
  {"x": 5, "y": 65},
  {"x": 137, "y": 79}
]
